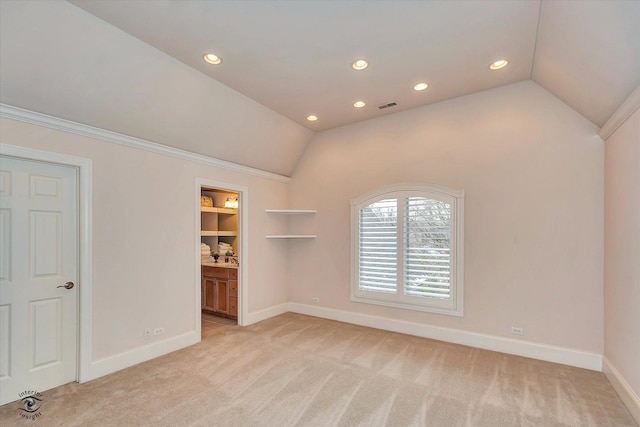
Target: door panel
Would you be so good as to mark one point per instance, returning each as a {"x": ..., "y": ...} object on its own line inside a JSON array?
[
  {"x": 45, "y": 187},
  {"x": 222, "y": 298},
  {"x": 233, "y": 288},
  {"x": 45, "y": 235},
  {"x": 45, "y": 331},
  {"x": 5, "y": 244},
  {"x": 5, "y": 183},
  {"x": 208, "y": 301},
  {"x": 38, "y": 316},
  {"x": 5, "y": 342}
]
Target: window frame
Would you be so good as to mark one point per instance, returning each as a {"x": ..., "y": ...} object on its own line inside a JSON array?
[{"x": 455, "y": 304}]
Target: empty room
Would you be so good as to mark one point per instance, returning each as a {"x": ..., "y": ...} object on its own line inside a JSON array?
[{"x": 320, "y": 213}]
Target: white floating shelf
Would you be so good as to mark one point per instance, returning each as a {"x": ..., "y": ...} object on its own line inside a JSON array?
[
  {"x": 219, "y": 210},
  {"x": 291, "y": 211},
  {"x": 291, "y": 236},
  {"x": 218, "y": 233}
]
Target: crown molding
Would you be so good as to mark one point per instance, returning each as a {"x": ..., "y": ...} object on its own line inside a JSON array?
[
  {"x": 32, "y": 117},
  {"x": 626, "y": 110}
]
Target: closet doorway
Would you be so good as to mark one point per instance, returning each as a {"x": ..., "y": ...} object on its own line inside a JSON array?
[{"x": 222, "y": 252}]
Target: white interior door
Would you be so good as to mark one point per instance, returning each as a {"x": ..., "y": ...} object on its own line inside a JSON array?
[{"x": 39, "y": 244}]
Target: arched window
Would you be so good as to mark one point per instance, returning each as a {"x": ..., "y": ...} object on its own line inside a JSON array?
[{"x": 407, "y": 248}]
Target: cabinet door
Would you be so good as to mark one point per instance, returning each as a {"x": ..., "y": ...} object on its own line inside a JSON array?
[
  {"x": 222, "y": 296},
  {"x": 208, "y": 293},
  {"x": 233, "y": 306},
  {"x": 233, "y": 288},
  {"x": 233, "y": 298}
]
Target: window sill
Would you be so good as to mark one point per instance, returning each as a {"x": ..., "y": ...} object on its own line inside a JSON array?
[{"x": 458, "y": 311}]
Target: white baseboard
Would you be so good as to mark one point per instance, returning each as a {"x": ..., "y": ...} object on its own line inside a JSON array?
[
  {"x": 545, "y": 352},
  {"x": 137, "y": 355},
  {"x": 565, "y": 356},
  {"x": 266, "y": 313},
  {"x": 622, "y": 387}
]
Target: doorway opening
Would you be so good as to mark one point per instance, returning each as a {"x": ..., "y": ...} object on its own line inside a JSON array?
[{"x": 220, "y": 248}]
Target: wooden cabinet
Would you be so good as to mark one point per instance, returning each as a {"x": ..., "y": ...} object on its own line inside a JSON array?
[
  {"x": 220, "y": 291},
  {"x": 208, "y": 293},
  {"x": 233, "y": 297},
  {"x": 222, "y": 297}
]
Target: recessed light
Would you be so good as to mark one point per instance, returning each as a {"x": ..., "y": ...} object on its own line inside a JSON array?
[
  {"x": 212, "y": 59},
  {"x": 359, "y": 64},
  {"x": 359, "y": 104},
  {"x": 421, "y": 86},
  {"x": 312, "y": 118},
  {"x": 500, "y": 63}
]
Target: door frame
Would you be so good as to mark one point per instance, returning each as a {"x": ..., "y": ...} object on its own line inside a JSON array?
[
  {"x": 243, "y": 250},
  {"x": 84, "y": 192}
]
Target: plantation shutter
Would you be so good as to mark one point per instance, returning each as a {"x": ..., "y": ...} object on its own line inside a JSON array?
[
  {"x": 427, "y": 248},
  {"x": 379, "y": 246}
]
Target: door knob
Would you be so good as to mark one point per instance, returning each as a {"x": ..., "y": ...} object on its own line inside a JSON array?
[{"x": 67, "y": 285}]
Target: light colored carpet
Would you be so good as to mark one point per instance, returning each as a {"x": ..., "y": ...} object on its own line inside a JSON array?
[{"x": 295, "y": 370}]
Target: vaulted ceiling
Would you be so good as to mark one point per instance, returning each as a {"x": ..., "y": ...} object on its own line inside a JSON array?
[
  {"x": 295, "y": 57},
  {"x": 136, "y": 67}
]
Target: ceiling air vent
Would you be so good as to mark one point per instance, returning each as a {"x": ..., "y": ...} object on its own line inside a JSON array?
[{"x": 391, "y": 104}]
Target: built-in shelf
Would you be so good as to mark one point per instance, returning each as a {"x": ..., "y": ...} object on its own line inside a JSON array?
[
  {"x": 291, "y": 211},
  {"x": 218, "y": 233},
  {"x": 219, "y": 210},
  {"x": 291, "y": 236}
]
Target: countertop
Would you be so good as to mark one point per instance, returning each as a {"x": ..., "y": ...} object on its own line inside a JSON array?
[{"x": 219, "y": 265}]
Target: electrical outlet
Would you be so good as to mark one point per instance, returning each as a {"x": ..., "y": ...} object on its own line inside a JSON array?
[
  {"x": 158, "y": 331},
  {"x": 316, "y": 300},
  {"x": 517, "y": 331},
  {"x": 147, "y": 334}
]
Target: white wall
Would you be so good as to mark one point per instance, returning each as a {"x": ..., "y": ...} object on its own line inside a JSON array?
[
  {"x": 622, "y": 252},
  {"x": 144, "y": 241},
  {"x": 533, "y": 173},
  {"x": 57, "y": 59}
]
